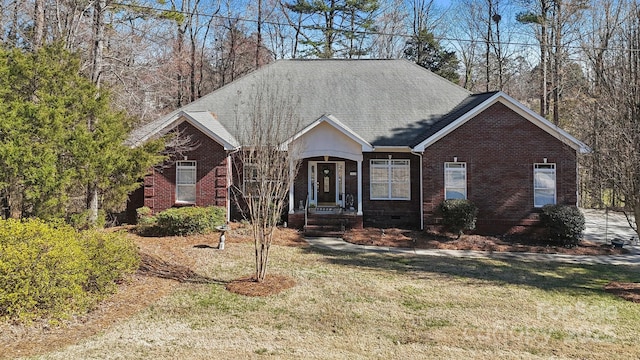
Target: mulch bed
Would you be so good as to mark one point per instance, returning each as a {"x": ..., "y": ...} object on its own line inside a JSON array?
[
  {"x": 627, "y": 291},
  {"x": 272, "y": 284},
  {"x": 394, "y": 237}
]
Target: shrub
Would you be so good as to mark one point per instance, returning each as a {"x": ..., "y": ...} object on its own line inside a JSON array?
[
  {"x": 190, "y": 220},
  {"x": 111, "y": 257},
  {"x": 52, "y": 270},
  {"x": 458, "y": 215},
  {"x": 144, "y": 216},
  {"x": 564, "y": 224},
  {"x": 42, "y": 270}
]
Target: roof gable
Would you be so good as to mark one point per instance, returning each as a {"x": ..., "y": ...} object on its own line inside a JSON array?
[
  {"x": 468, "y": 111},
  {"x": 338, "y": 125},
  {"x": 327, "y": 136},
  {"x": 201, "y": 120}
]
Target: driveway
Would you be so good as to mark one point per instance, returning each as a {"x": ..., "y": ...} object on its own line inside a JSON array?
[{"x": 605, "y": 226}]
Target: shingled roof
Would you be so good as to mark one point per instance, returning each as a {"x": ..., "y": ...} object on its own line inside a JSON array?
[{"x": 386, "y": 102}]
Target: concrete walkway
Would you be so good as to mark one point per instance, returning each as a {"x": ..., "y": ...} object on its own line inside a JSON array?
[
  {"x": 599, "y": 228},
  {"x": 338, "y": 244}
]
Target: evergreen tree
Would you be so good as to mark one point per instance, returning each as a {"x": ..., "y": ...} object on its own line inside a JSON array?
[
  {"x": 48, "y": 150},
  {"x": 424, "y": 50},
  {"x": 342, "y": 26}
]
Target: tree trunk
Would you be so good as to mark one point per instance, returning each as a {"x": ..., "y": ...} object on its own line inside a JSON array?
[
  {"x": 259, "y": 34},
  {"x": 488, "y": 48},
  {"x": 557, "y": 59},
  {"x": 14, "y": 195},
  {"x": 96, "y": 74},
  {"x": 92, "y": 203},
  {"x": 38, "y": 26},
  {"x": 544, "y": 105},
  {"x": 636, "y": 214}
]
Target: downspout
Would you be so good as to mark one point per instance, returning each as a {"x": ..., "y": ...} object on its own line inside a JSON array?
[{"x": 421, "y": 190}]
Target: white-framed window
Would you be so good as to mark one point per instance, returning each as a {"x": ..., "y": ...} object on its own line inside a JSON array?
[
  {"x": 390, "y": 179},
  {"x": 186, "y": 182},
  {"x": 455, "y": 180},
  {"x": 544, "y": 184}
]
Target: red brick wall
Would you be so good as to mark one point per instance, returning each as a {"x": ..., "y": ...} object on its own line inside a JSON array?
[
  {"x": 500, "y": 148},
  {"x": 211, "y": 170},
  {"x": 388, "y": 213}
]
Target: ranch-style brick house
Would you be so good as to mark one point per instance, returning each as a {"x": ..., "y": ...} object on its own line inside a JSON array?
[{"x": 384, "y": 143}]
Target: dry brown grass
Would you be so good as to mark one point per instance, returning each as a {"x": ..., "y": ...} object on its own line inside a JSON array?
[{"x": 355, "y": 306}]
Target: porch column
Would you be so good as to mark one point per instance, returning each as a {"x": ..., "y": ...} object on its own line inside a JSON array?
[
  {"x": 292, "y": 205},
  {"x": 359, "y": 187}
]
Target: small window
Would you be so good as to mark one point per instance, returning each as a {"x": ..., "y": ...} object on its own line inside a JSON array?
[
  {"x": 390, "y": 179},
  {"x": 544, "y": 184},
  {"x": 186, "y": 182},
  {"x": 455, "y": 180}
]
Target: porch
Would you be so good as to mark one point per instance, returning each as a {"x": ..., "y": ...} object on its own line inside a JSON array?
[
  {"x": 327, "y": 191},
  {"x": 325, "y": 197}
]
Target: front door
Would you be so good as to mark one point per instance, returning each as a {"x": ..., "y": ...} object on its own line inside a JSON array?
[{"x": 326, "y": 183}]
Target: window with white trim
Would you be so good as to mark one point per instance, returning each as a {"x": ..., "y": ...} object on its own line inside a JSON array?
[
  {"x": 544, "y": 184},
  {"x": 455, "y": 180},
  {"x": 186, "y": 182},
  {"x": 390, "y": 179}
]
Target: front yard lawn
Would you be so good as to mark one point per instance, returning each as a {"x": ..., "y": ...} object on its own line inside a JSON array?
[{"x": 356, "y": 306}]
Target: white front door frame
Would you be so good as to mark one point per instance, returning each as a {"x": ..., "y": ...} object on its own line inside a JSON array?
[{"x": 312, "y": 181}]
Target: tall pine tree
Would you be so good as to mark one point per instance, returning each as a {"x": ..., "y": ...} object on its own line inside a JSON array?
[
  {"x": 426, "y": 51},
  {"x": 48, "y": 150},
  {"x": 336, "y": 28}
]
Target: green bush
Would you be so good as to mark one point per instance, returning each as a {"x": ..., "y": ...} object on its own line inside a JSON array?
[
  {"x": 458, "y": 215},
  {"x": 52, "y": 270},
  {"x": 190, "y": 220},
  {"x": 144, "y": 216},
  {"x": 111, "y": 257},
  {"x": 42, "y": 270},
  {"x": 564, "y": 223}
]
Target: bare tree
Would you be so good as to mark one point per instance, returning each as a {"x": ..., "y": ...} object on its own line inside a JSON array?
[
  {"x": 392, "y": 31},
  {"x": 613, "y": 111},
  {"x": 279, "y": 35},
  {"x": 557, "y": 28},
  {"x": 268, "y": 163}
]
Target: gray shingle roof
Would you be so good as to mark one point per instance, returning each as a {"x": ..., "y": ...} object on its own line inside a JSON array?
[{"x": 386, "y": 102}]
